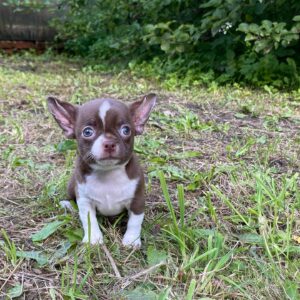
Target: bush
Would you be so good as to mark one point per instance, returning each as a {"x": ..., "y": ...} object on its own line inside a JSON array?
[{"x": 251, "y": 41}]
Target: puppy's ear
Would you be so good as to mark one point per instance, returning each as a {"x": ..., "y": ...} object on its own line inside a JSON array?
[
  {"x": 140, "y": 112},
  {"x": 65, "y": 115}
]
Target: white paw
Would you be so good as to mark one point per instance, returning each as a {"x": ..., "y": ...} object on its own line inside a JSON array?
[
  {"x": 130, "y": 240},
  {"x": 66, "y": 205},
  {"x": 94, "y": 240}
]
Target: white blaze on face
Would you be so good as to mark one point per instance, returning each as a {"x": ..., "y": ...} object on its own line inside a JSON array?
[
  {"x": 99, "y": 153},
  {"x": 97, "y": 148},
  {"x": 103, "y": 109}
]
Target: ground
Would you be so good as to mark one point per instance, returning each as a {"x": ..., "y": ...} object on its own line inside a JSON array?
[{"x": 223, "y": 198}]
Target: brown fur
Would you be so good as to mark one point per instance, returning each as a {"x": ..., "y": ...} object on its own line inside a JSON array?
[
  {"x": 134, "y": 170},
  {"x": 72, "y": 119}
]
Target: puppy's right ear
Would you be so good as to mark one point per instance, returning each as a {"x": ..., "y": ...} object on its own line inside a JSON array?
[{"x": 65, "y": 115}]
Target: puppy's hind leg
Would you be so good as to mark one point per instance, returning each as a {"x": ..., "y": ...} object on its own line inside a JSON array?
[{"x": 66, "y": 204}]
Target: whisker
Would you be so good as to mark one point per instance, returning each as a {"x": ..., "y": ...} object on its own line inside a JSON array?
[{"x": 89, "y": 157}]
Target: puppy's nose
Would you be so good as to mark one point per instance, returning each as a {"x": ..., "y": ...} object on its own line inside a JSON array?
[{"x": 109, "y": 146}]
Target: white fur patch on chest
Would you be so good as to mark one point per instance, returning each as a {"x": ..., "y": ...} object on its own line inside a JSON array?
[{"x": 110, "y": 191}]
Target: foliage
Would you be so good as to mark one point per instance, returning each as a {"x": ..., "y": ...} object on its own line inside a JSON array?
[{"x": 252, "y": 41}]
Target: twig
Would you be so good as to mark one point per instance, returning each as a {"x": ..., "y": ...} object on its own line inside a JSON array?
[
  {"x": 126, "y": 259},
  {"x": 11, "y": 274},
  {"x": 112, "y": 262},
  {"x": 144, "y": 272},
  {"x": 30, "y": 275},
  {"x": 11, "y": 201}
]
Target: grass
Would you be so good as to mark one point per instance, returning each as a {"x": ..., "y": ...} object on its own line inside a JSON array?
[{"x": 223, "y": 199}]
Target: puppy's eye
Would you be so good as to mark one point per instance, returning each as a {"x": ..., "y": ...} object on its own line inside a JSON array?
[
  {"x": 125, "y": 130},
  {"x": 88, "y": 131}
]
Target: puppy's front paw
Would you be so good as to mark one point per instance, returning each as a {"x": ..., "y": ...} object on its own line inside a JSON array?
[
  {"x": 95, "y": 239},
  {"x": 133, "y": 241},
  {"x": 66, "y": 205}
]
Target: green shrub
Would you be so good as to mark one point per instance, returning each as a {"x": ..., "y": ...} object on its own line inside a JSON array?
[{"x": 251, "y": 41}]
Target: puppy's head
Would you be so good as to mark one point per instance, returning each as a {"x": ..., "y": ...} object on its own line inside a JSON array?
[{"x": 104, "y": 128}]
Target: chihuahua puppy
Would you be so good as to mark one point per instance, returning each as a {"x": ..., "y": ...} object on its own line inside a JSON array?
[{"x": 107, "y": 176}]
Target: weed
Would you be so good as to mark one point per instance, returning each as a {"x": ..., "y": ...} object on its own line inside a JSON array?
[
  {"x": 71, "y": 289},
  {"x": 9, "y": 248}
]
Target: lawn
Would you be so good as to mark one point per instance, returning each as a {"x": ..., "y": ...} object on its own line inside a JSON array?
[{"x": 223, "y": 197}]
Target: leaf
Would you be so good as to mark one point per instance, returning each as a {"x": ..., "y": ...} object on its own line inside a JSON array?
[
  {"x": 46, "y": 231},
  {"x": 211, "y": 3},
  {"x": 244, "y": 27},
  {"x": 165, "y": 46},
  {"x": 263, "y": 45},
  {"x": 74, "y": 235},
  {"x": 191, "y": 290},
  {"x": 158, "y": 160},
  {"x": 294, "y": 250},
  {"x": 15, "y": 291},
  {"x": 244, "y": 149},
  {"x": 240, "y": 116},
  {"x": 204, "y": 233},
  {"x": 291, "y": 288},
  {"x": 267, "y": 24},
  {"x": 52, "y": 293},
  {"x": 254, "y": 28},
  {"x": 59, "y": 253},
  {"x": 164, "y": 295},
  {"x": 250, "y": 37},
  {"x": 296, "y": 238},
  {"x": 155, "y": 256},
  {"x": 141, "y": 293},
  {"x": 38, "y": 256},
  {"x": 251, "y": 238},
  {"x": 296, "y": 18},
  {"x": 65, "y": 145}
]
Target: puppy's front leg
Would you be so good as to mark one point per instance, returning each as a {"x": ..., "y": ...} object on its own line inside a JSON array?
[
  {"x": 88, "y": 210},
  {"x": 132, "y": 235}
]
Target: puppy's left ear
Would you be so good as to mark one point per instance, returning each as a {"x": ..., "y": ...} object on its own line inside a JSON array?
[{"x": 140, "y": 112}]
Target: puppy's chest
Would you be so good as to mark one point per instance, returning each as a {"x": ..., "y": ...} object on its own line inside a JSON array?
[{"x": 110, "y": 192}]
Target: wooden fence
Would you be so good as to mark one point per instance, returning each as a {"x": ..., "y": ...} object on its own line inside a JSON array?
[{"x": 25, "y": 28}]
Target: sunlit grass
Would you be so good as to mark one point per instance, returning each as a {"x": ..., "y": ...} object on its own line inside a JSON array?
[{"x": 222, "y": 191}]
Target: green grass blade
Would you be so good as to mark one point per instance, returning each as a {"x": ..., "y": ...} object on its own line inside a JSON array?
[
  {"x": 230, "y": 205},
  {"x": 180, "y": 191},
  {"x": 191, "y": 290},
  {"x": 232, "y": 283},
  {"x": 218, "y": 266},
  {"x": 200, "y": 257},
  {"x": 166, "y": 194}
]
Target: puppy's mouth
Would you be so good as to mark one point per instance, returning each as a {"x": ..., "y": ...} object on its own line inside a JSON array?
[
  {"x": 91, "y": 158},
  {"x": 107, "y": 161},
  {"x": 105, "y": 164}
]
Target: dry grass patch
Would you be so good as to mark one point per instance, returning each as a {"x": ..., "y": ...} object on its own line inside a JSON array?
[{"x": 225, "y": 225}]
